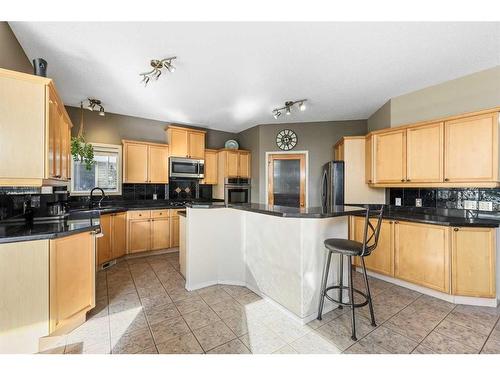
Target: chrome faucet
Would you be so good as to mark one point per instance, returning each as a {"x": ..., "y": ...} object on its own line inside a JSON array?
[{"x": 92, "y": 195}]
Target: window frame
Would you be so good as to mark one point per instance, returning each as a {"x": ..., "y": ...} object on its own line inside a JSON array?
[{"x": 101, "y": 147}]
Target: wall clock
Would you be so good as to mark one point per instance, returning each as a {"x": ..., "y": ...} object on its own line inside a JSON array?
[{"x": 286, "y": 139}]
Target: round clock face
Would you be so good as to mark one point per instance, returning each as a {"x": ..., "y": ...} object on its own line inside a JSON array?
[{"x": 286, "y": 139}]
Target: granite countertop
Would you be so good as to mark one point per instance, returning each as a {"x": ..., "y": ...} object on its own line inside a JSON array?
[
  {"x": 436, "y": 217},
  {"x": 295, "y": 212}
]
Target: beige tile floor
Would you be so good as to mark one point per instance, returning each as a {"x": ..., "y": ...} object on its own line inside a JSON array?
[{"x": 142, "y": 307}]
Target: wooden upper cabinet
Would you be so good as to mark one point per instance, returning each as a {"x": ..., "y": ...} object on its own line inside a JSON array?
[
  {"x": 338, "y": 151},
  {"x": 471, "y": 149},
  {"x": 369, "y": 160},
  {"x": 232, "y": 164},
  {"x": 210, "y": 167},
  {"x": 72, "y": 279},
  {"x": 422, "y": 255},
  {"x": 390, "y": 157},
  {"x": 145, "y": 162},
  {"x": 158, "y": 164},
  {"x": 135, "y": 162},
  {"x": 424, "y": 153},
  {"x": 244, "y": 164},
  {"x": 473, "y": 262},
  {"x": 185, "y": 142}
]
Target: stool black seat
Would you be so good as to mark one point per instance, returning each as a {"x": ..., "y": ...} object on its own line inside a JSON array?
[{"x": 349, "y": 249}]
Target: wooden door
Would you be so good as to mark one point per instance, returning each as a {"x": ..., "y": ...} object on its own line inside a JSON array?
[
  {"x": 473, "y": 262},
  {"x": 72, "y": 275},
  {"x": 178, "y": 142},
  {"x": 244, "y": 165},
  {"x": 390, "y": 160},
  {"x": 104, "y": 253},
  {"x": 422, "y": 255},
  {"x": 139, "y": 235},
  {"x": 210, "y": 167},
  {"x": 174, "y": 230},
  {"x": 196, "y": 141},
  {"x": 119, "y": 235},
  {"x": 471, "y": 149},
  {"x": 158, "y": 164},
  {"x": 232, "y": 163},
  {"x": 425, "y": 153},
  {"x": 135, "y": 163},
  {"x": 381, "y": 260},
  {"x": 160, "y": 236},
  {"x": 286, "y": 183}
]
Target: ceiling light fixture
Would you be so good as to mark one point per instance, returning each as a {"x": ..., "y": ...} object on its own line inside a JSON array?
[
  {"x": 156, "y": 72},
  {"x": 94, "y": 105},
  {"x": 288, "y": 107}
]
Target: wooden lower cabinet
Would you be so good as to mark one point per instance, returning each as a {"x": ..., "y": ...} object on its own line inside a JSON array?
[
  {"x": 119, "y": 230},
  {"x": 149, "y": 230},
  {"x": 104, "y": 242},
  {"x": 473, "y": 262},
  {"x": 139, "y": 235},
  {"x": 160, "y": 233},
  {"x": 112, "y": 244},
  {"x": 72, "y": 279},
  {"x": 381, "y": 260},
  {"x": 175, "y": 231},
  {"x": 422, "y": 255}
]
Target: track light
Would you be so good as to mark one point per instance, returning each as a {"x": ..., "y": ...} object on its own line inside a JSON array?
[
  {"x": 94, "y": 105},
  {"x": 288, "y": 107},
  {"x": 158, "y": 65}
]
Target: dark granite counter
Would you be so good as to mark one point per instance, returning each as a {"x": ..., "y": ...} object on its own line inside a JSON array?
[{"x": 295, "y": 212}]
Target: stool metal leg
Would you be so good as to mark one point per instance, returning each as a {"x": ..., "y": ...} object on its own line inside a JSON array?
[
  {"x": 351, "y": 300},
  {"x": 323, "y": 284},
  {"x": 370, "y": 304},
  {"x": 341, "y": 282}
]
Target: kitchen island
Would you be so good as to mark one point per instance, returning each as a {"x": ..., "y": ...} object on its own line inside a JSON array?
[{"x": 277, "y": 252}]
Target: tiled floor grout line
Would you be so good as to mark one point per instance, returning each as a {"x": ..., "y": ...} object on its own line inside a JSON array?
[{"x": 487, "y": 338}]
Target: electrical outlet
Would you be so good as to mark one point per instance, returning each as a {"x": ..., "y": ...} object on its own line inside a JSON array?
[
  {"x": 155, "y": 196},
  {"x": 470, "y": 205},
  {"x": 397, "y": 202},
  {"x": 485, "y": 206},
  {"x": 418, "y": 202}
]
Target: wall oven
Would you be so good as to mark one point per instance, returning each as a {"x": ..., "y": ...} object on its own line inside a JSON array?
[
  {"x": 186, "y": 168},
  {"x": 237, "y": 190}
]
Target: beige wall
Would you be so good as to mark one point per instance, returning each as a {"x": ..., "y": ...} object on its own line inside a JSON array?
[
  {"x": 112, "y": 128},
  {"x": 12, "y": 55},
  {"x": 381, "y": 118}
]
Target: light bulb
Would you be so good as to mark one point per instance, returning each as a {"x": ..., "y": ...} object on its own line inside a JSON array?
[
  {"x": 101, "y": 112},
  {"x": 287, "y": 110},
  {"x": 302, "y": 106},
  {"x": 172, "y": 68}
]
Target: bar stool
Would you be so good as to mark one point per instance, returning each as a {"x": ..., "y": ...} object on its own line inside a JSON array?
[{"x": 351, "y": 249}]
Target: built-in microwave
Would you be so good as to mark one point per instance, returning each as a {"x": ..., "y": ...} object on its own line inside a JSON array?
[
  {"x": 186, "y": 168},
  {"x": 237, "y": 190}
]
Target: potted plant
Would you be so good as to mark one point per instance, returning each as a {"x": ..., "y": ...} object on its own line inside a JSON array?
[{"x": 81, "y": 150}]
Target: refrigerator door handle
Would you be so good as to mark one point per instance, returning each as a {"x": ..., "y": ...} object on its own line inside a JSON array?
[{"x": 324, "y": 187}]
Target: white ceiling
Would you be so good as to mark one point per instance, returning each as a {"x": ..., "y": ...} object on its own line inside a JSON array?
[{"x": 231, "y": 75}]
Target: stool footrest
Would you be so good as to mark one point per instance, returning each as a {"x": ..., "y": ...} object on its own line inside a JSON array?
[{"x": 344, "y": 287}]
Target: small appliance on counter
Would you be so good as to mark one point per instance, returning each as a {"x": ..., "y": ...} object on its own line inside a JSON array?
[
  {"x": 186, "y": 168},
  {"x": 332, "y": 184},
  {"x": 236, "y": 190}
]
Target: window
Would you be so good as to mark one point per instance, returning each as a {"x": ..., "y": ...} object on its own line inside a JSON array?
[{"x": 105, "y": 173}]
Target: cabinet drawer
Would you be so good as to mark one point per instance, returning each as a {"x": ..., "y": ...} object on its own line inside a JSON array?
[
  {"x": 145, "y": 214},
  {"x": 159, "y": 213}
]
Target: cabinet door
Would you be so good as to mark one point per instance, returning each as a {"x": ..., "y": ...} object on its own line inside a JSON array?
[
  {"x": 135, "y": 163},
  {"x": 53, "y": 123},
  {"x": 72, "y": 275},
  {"x": 390, "y": 163},
  {"x": 210, "y": 168},
  {"x": 196, "y": 143},
  {"x": 158, "y": 164},
  {"x": 104, "y": 242},
  {"x": 369, "y": 160},
  {"x": 244, "y": 164},
  {"x": 338, "y": 152},
  {"x": 473, "y": 262},
  {"x": 381, "y": 260},
  {"x": 119, "y": 237},
  {"x": 178, "y": 142},
  {"x": 232, "y": 163},
  {"x": 160, "y": 236},
  {"x": 471, "y": 152},
  {"x": 422, "y": 255},
  {"x": 174, "y": 231},
  {"x": 65, "y": 149},
  {"x": 425, "y": 153},
  {"x": 139, "y": 235}
]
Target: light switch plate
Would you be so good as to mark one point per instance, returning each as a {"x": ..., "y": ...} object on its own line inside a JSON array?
[
  {"x": 397, "y": 201},
  {"x": 485, "y": 206},
  {"x": 470, "y": 205},
  {"x": 47, "y": 190},
  {"x": 418, "y": 202}
]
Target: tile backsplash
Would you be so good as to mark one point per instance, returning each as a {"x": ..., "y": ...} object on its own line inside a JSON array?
[{"x": 444, "y": 198}]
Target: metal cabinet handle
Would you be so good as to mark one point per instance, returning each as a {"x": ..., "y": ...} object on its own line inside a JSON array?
[
  {"x": 402, "y": 180},
  {"x": 408, "y": 180},
  {"x": 447, "y": 179},
  {"x": 455, "y": 229},
  {"x": 369, "y": 181}
]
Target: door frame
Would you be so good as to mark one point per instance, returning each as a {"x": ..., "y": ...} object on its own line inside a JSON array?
[{"x": 306, "y": 153}]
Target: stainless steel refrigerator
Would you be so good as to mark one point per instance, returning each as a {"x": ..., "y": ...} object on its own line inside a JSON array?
[{"x": 332, "y": 184}]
